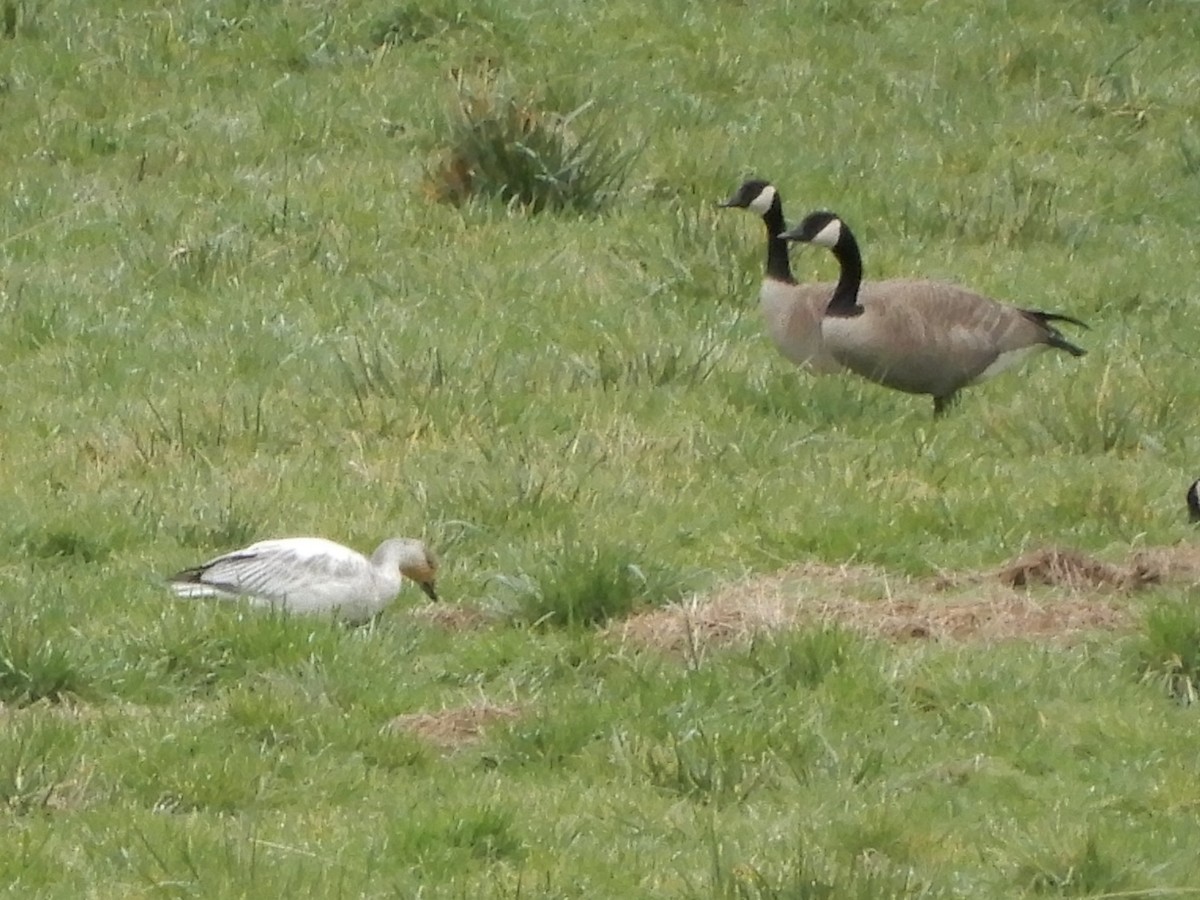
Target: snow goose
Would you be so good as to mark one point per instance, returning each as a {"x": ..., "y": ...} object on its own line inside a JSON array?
[{"x": 312, "y": 575}]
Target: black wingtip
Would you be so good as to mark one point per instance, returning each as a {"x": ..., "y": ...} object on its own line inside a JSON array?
[
  {"x": 1061, "y": 343},
  {"x": 1193, "y": 502},
  {"x": 187, "y": 576},
  {"x": 1046, "y": 318},
  {"x": 1054, "y": 337},
  {"x": 1057, "y": 317}
]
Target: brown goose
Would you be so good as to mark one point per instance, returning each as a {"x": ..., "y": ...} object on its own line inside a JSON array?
[
  {"x": 793, "y": 311},
  {"x": 921, "y": 337},
  {"x": 1193, "y": 502}
]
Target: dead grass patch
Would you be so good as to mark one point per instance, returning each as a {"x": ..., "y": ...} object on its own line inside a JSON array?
[
  {"x": 450, "y": 729},
  {"x": 1085, "y": 595},
  {"x": 453, "y": 617},
  {"x": 1076, "y": 571},
  {"x": 1179, "y": 564}
]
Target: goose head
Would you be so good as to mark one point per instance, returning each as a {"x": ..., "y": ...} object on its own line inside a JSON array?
[
  {"x": 1193, "y": 502},
  {"x": 755, "y": 195},
  {"x": 415, "y": 561},
  {"x": 823, "y": 228}
]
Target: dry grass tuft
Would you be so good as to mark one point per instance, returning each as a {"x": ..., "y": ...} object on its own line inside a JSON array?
[
  {"x": 1001, "y": 618},
  {"x": 1077, "y": 571},
  {"x": 1180, "y": 563},
  {"x": 502, "y": 143},
  {"x": 733, "y": 614},
  {"x": 450, "y": 729},
  {"x": 453, "y": 617},
  {"x": 972, "y": 606}
]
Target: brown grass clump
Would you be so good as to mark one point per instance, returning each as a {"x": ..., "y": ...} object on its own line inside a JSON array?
[
  {"x": 1000, "y": 618},
  {"x": 968, "y": 606},
  {"x": 1077, "y": 571},
  {"x": 450, "y": 729},
  {"x": 1180, "y": 563},
  {"x": 733, "y": 614},
  {"x": 453, "y": 617},
  {"x": 503, "y": 143}
]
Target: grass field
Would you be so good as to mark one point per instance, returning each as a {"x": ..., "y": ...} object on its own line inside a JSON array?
[{"x": 712, "y": 628}]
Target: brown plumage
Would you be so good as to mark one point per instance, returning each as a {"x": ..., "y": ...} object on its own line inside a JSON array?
[
  {"x": 792, "y": 311},
  {"x": 917, "y": 336}
]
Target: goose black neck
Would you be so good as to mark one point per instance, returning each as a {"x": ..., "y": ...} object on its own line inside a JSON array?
[
  {"x": 778, "y": 266},
  {"x": 845, "y": 295}
]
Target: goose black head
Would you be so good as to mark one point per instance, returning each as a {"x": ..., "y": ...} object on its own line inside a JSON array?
[
  {"x": 821, "y": 228},
  {"x": 1193, "y": 502},
  {"x": 755, "y": 195}
]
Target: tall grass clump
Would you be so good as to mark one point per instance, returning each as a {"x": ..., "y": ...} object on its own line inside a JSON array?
[
  {"x": 35, "y": 667},
  {"x": 412, "y": 23},
  {"x": 37, "y": 759},
  {"x": 807, "y": 875},
  {"x": 704, "y": 767},
  {"x": 1081, "y": 872},
  {"x": 1168, "y": 650},
  {"x": 804, "y": 658},
  {"x": 502, "y": 146},
  {"x": 583, "y": 585}
]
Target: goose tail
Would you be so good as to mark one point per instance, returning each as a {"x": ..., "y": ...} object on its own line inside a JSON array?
[
  {"x": 190, "y": 583},
  {"x": 1054, "y": 337}
]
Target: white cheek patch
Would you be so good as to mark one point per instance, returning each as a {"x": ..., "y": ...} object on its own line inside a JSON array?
[
  {"x": 829, "y": 235},
  {"x": 762, "y": 203}
]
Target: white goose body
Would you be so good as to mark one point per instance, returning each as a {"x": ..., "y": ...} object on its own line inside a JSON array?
[{"x": 311, "y": 575}]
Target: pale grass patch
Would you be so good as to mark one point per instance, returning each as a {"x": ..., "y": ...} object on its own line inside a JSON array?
[
  {"x": 970, "y": 606},
  {"x": 453, "y": 728},
  {"x": 453, "y": 617}
]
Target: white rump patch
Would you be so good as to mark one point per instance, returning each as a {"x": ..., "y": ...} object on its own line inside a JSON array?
[
  {"x": 829, "y": 235},
  {"x": 762, "y": 203},
  {"x": 1007, "y": 361}
]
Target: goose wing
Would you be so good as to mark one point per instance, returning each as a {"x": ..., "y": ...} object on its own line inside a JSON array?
[
  {"x": 275, "y": 570},
  {"x": 931, "y": 337}
]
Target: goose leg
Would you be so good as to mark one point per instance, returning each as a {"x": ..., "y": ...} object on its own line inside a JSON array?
[{"x": 941, "y": 405}]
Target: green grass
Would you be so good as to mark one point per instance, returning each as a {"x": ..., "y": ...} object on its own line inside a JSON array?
[{"x": 232, "y": 308}]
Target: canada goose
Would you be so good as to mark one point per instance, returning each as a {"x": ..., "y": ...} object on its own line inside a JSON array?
[
  {"x": 312, "y": 575},
  {"x": 793, "y": 311},
  {"x": 1193, "y": 502},
  {"x": 922, "y": 337}
]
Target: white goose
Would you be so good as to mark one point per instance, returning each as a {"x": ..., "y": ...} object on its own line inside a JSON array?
[{"x": 311, "y": 575}]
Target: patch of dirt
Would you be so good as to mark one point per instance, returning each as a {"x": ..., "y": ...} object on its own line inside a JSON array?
[
  {"x": 1082, "y": 594},
  {"x": 450, "y": 729}
]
